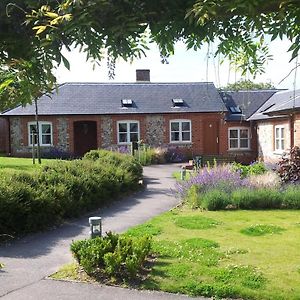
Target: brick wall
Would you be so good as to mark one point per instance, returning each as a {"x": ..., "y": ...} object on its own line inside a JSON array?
[{"x": 154, "y": 130}]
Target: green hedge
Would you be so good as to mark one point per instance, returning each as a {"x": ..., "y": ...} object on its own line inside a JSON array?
[{"x": 34, "y": 201}]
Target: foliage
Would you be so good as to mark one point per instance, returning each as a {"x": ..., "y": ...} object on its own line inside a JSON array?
[
  {"x": 210, "y": 178},
  {"x": 214, "y": 199},
  {"x": 261, "y": 229},
  {"x": 291, "y": 197},
  {"x": 147, "y": 155},
  {"x": 256, "y": 168},
  {"x": 113, "y": 255},
  {"x": 289, "y": 166},
  {"x": 247, "y": 85},
  {"x": 33, "y": 34},
  {"x": 37, "y": 200}
]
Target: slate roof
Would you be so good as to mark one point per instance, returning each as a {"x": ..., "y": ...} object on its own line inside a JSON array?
[
  {"x": 248, "y": 101},
  {"x": 105, "y": 98},
  {"x": 280, "y": 103}
]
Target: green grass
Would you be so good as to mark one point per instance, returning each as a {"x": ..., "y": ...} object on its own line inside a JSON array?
[
  {"x": 20, "y": 164},
  {"x": 261, "y": 229},
  {"x": 220, "y": 261}
]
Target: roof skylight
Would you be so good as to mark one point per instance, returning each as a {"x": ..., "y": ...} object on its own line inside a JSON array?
[
  {"x": 178, "y": 102},
  {"x": 127, "y": 102},
  {"x": 235, "y": 109}
]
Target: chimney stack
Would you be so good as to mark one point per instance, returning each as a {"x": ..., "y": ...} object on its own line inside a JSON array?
[{"x": 143, "y": 75}]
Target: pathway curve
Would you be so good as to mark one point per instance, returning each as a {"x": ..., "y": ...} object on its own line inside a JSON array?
[{"x": 30, "y": 260}]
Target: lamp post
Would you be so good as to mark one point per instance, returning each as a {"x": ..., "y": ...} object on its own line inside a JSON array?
[{"x": 95, "y": 227}]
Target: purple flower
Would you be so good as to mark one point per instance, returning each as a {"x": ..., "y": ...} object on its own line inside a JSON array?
[{"x": 222, "y": 177}]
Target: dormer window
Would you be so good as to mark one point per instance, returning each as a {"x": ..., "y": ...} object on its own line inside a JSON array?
[
  {"x": 127, "y": 102},
  {"x": 235, "y": 110},
  {"x": 178, "y": 102}
]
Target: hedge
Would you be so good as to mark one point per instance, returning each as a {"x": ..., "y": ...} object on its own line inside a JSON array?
[{"x": 64, "y": 189}]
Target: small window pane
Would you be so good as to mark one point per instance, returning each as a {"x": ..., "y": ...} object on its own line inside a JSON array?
[
  {"x": 175, "y": 126},
  {"x": 175, "y": 136},
  {"x": 244, "y": 143},
  {"x": 233, "y": 133},
  {"x": 123, "y": 137},
  {"x": 277, "y": 133},
  {"x": 233, "y": 143},
  {"x": 134, "y": 137},
  {"x": 185, "y": 126},
  {"x": 282, "y": 144},
  {"x": 282, "y": 133},
  {"x": 46, "y": 139},
  {"x": 122, "y": 127},
  {"x": 186, "y": 136},
  {"x": 277, "y": 145},
  {"x": 46, "y": 128},
  {"x": 133, "y": 127},
  {"x": 244, "y": 133}
]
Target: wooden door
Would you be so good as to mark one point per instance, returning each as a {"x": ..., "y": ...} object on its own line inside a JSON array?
[
  {"x": 211, "y": 137},
  {"x": 85, "y": 137}
]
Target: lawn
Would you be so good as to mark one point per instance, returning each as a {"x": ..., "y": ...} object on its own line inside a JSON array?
[
  {"x": 234, "y": 254},
  {"x": 213, "y": 254},
  {"x": 20, "y": 164}
]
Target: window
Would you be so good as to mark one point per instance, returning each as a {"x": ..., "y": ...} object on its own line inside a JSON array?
[
  {"x": 128, "y": 131},
  {"x": 178, "y": 102},
  {"x": 279, "y": 138},
  {"x": 45, "y": 133},
  {"x": 239, "y": 138},
  {"x": 180, "y": 131},
  {"x": 127, "y": 103}
]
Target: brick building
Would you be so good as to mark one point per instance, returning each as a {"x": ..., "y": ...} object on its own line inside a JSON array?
[
  {"x": 277, "y": 123},
  {"x": 193, "y": 117}
]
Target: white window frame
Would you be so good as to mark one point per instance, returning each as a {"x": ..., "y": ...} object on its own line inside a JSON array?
[
  {"x": 180, "y": 121},
  {"x": 41, "y": 123},
  {"x": 128, "y": 122},
  {"x": 280, "y": 138},
  {"x": 238, "y": 138}
]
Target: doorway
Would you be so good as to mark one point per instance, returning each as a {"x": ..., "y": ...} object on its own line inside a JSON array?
[{"x": 85, "y": 137}]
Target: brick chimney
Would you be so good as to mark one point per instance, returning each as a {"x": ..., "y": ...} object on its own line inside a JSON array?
[{"x": 143, "y": 75}]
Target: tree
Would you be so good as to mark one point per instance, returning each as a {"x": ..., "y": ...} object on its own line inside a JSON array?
[
  {"x": 248, "y": 85},
  {"x": 33, "y": 33}
]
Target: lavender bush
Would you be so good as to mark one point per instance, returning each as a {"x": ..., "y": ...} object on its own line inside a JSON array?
[{"x": 221, "y": 177}]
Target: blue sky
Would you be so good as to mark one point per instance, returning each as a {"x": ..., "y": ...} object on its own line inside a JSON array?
[{"x": 184, "y": 66}]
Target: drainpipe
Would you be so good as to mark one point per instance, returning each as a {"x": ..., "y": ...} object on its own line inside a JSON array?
[{"x": 292, "y": 122}]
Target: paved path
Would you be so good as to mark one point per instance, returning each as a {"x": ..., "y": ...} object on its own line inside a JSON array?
[{"x": 30, "y": 260}]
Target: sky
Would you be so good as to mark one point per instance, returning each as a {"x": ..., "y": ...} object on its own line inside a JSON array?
[{"x": 184, "y": 66}]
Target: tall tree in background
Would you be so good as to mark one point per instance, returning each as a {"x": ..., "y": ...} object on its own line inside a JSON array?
[
  {"x": 34, "y": 32},
  {"x": 248, "y": 85}
]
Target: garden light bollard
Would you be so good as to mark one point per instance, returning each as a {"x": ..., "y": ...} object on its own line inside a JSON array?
[
  {"x": 95, "y": 227},
  {"x": 183, "y": 173}
]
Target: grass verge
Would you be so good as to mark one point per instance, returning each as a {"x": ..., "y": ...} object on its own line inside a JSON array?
[{"x": 221, "y": 261}]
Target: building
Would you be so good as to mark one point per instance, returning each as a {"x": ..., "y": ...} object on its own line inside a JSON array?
[{"x": 192, "y": 117}]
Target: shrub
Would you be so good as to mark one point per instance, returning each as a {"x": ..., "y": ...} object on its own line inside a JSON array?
[
  {"x": 34, "y": 201},
  {"x": 256, "y": 198},
  {"x": 219, "y": 177},
  {"x": 215, "y": 199},
  {"x": 113, "y": 255},
  {"x": 291, "y": 197},
  {"x": 289, "y": 166},
  {"x": 262, "y": 229},
  {"x": 256, "y": 168}
]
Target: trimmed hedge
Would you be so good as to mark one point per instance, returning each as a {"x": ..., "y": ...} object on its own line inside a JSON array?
[{"x": 31, "y": 202}]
